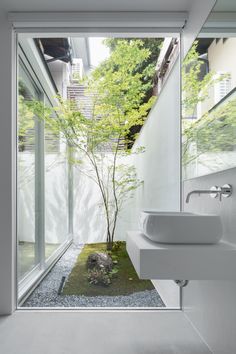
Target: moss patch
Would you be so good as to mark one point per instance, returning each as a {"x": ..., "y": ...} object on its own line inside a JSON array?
[{"x": 125, "y": 282}]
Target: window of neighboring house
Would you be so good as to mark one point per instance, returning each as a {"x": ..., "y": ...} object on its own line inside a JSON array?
[{"x": 222, "y": 87}]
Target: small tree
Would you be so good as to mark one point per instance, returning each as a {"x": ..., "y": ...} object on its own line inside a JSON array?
[{"x": 100, "y": 143}]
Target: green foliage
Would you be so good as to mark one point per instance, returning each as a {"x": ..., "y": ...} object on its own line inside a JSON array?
[
  {"x": 145, "y": 67},
  {"x": 148, "y": 65},
  {"x": 25, "y": 122},
  {"x": 76, "y": 77},
  {"x": 215, "y": 131},
  {"x": 119, "y": 87},
  {"x": 100, "y": 144},
  {"x": 194, "y": 90},
  {"x": 117, "y": 246}
]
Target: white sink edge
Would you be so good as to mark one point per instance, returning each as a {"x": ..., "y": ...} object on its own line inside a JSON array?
[
  {"x": 173, "y": 213},
  {"x": 181, "y": 228}
]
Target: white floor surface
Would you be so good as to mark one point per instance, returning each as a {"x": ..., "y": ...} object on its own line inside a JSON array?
[{"x": 111, "y": 332}]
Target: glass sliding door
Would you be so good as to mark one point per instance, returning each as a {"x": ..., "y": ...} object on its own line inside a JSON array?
[
  {"x": 42, "y": 183},
  {"x": 56, "y": 192},
  {"x": 28, "y": 245}
]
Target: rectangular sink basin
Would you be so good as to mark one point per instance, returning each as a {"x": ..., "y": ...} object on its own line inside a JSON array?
[{"x": 181, "y": 227}]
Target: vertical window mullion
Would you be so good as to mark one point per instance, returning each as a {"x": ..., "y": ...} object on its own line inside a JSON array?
[
  {"x": 39, "y": 192},
  {"x": 70, "y": 191}
]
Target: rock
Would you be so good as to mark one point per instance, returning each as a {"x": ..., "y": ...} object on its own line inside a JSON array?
[{"x": 99, "y": 260}]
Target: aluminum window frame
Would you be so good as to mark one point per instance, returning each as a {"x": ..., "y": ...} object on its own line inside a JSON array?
[{"x": 46, "y": 24}]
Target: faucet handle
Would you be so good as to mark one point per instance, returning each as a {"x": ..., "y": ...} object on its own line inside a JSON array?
[
  {"x": 215, "y": 192},
  {"x": 226, "y": 190}
]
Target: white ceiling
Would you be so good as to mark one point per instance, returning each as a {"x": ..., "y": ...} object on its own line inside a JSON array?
[
  {"x": 225, "y": 5},
  {"x": 95, "y": 5},
  {"x": 108, "y": 5}
]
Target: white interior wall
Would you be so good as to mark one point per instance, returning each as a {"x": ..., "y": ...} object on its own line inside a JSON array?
[
  {"x": 210, "y": 305},
  {"x": 7, "y": 158}
]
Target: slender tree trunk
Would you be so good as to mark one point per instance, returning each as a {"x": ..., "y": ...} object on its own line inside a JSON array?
[
  {"x": 114, "y": 190},
  {"x": 109, "y": 246}
]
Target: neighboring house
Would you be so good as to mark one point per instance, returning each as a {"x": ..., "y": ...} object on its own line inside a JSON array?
[
  {"x": 76, "y": 90},
  {"x": 57, "y": 56},
  {"x": 221, "y": 57},
  {"x": 206, "y": 154},
  {"x": 168, "y": 54}
]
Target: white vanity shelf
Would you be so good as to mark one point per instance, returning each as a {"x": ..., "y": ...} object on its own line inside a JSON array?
[{"x": 153, "y": 260}]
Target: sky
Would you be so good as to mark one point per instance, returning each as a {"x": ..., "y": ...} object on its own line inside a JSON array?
[{"x": 98, "y": 51}]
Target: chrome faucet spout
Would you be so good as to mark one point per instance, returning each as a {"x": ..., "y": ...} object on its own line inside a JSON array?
[
  {"x": 214, "y": 192},
  {"x": 199, "y": 192}
]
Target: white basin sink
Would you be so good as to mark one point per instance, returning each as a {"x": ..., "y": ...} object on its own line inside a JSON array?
[{"x": 181, "y": 227}]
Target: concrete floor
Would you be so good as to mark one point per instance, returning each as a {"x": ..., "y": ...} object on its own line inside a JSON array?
[{"x": 84, "y": 332}]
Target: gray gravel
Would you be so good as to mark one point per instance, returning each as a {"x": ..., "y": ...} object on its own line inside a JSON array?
[{"x": 45, "y": 295}]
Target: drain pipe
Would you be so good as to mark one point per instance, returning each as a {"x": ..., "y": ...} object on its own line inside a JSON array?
[{"x": 181, "y": 283}]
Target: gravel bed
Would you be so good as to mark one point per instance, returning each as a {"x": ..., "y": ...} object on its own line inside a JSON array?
[{"x": 46, "y": 294}]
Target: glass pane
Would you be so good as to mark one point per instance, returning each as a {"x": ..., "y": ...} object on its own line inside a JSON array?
[
  {"x": 209, "y": 107},
  {"x": 56, "y": 192},
  {"x": 27, "y": 252}
]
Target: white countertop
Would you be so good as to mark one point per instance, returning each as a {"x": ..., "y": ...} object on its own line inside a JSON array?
[{"x": 191, "y": 262}]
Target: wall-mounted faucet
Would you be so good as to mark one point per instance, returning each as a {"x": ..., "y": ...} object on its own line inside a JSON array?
[{"x": 226, "y": 191}]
